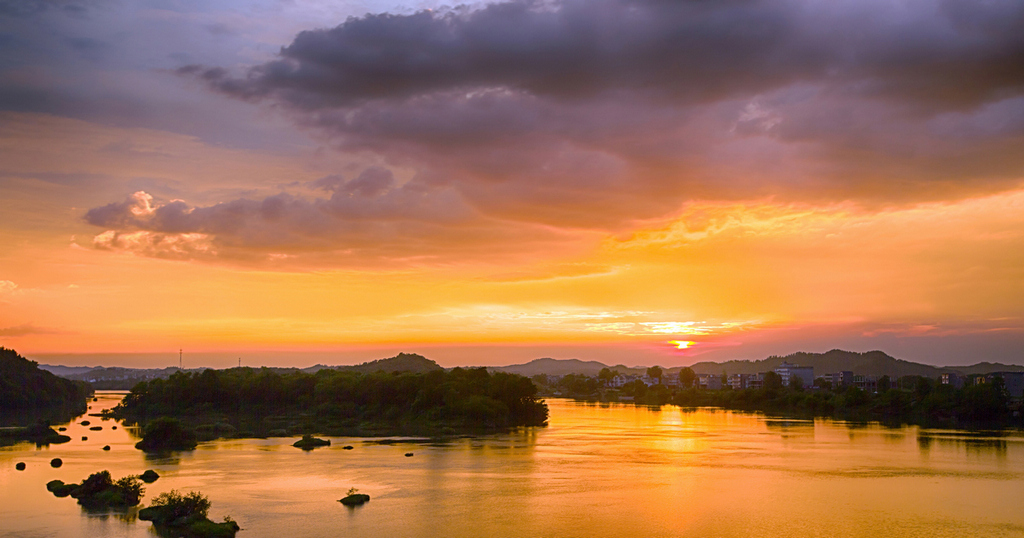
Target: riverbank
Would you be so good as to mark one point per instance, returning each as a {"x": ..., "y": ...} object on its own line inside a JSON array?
[{"x": 928, "y": 404}]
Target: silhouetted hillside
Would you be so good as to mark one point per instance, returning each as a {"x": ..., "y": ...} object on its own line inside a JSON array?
[
  {"x": 563, "y": 367},
  {"x": 876, "y": 363},
  {"x": 403, "y": 362},
  {"x": 23, "y": 385},
  {"x": 869, "y": 363},
  {"x": 66, "y": 371},
  {"x": 987, "y": 368}
]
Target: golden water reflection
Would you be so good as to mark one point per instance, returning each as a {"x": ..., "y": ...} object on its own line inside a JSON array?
[{"x": 597, "y": 470}]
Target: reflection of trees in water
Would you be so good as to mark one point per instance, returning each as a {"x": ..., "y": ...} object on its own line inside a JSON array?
[
  {"x": 924, "y": 443},
  {"x": 54, "y": 415},
  {"x": 126, "y": 515},
  {"x": 162, "y": 458},
  {"x": 789, "y": 429},
  {"x": 993, "y": 442},
  {"x": 979, "y": 445}
]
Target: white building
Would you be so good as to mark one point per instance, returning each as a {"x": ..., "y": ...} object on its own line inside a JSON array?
[{"x": 787, "y": 371}]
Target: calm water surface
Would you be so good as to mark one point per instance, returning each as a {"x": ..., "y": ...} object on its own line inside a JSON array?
[{"x": 597, "y": 470}]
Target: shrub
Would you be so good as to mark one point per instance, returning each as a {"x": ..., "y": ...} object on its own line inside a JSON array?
[
  {"x": 174, "y": 505},
  {"x": 166, "y": 433}
]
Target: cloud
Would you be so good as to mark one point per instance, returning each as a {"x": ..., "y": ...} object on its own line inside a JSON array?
[
  {"x": 946, "y": 51},
  {"x": 28, "y": 8},
  {"x": 366, "y": 219},
  {"x": 26, "y": 330},
  {"x": 576, "y": 116},
  {"x": 6, "y": 286},
  {"x": 525, "y": 102}
]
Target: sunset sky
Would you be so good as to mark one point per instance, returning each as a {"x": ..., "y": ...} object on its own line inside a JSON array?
[{"x": 631, "y": 181}]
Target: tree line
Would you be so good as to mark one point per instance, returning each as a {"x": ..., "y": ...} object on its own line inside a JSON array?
[
  {"x": 330, "y": 400},
  {"x": 907, "y": 400}
]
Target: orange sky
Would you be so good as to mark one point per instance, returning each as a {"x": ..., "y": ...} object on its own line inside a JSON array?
[{"x": 149, "y": 207}]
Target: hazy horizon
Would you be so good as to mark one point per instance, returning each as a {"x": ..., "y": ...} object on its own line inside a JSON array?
[{"x": 446, "y": 357}]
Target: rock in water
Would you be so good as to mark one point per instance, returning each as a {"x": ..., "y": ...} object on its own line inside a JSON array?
[
  {"x": 56, "y": 462},
  {"x": 20, "y": 466},
  {"x": 355, "y": 499},
  {"x": 149, "y": 476}
]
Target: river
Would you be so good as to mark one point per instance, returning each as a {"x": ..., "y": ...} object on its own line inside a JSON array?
[{"x": 596, "y": 470}]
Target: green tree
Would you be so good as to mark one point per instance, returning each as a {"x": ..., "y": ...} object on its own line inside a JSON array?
[
  {"x": 654, "y": 372},
  {"x": 772, "y": 381},
  {"x": 687, "y": 376},
  {"x": 922, "y": 388},
  {"x": 167, "y": 433},
  {"x": 191, "y": 505},
  {"x": 606, "y": 376}
]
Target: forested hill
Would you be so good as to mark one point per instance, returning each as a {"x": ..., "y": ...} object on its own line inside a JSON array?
[
  {"x": 23, "y": 385},
  {"x": 403, "y": 362},
  {"x": 876, "y": 363},
  {"x": 869, "y": 363},
  {"x": 563, "y": 367},
  {"x": 120, "y": 378}
]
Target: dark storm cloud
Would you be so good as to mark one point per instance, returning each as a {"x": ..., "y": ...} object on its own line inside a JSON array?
[
  {"x": 655, "y": 99},
  {"x": 592, "y": 115},
  {"x": 954, "y": 52}
]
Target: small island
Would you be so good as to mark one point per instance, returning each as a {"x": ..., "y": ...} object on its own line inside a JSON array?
[
  {"x": 100, "y": 491},
  {"x": 186, "y": 515},
  {"x": 40, "y": 434},
  {"x": 250, "y": 402},
  {"x": 353, "y": 498},
  {"x": 308, "y": 442},
  {"x": 166, "y": 434}
]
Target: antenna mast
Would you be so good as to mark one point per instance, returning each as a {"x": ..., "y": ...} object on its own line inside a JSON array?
[{"x": 179, "y": 358}]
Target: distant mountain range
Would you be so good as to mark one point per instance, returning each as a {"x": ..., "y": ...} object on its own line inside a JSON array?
[
  {"x": 118, "y": 378},
  {"x": 563, "y": 367},
  {"x": 874, "y": 363}
]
